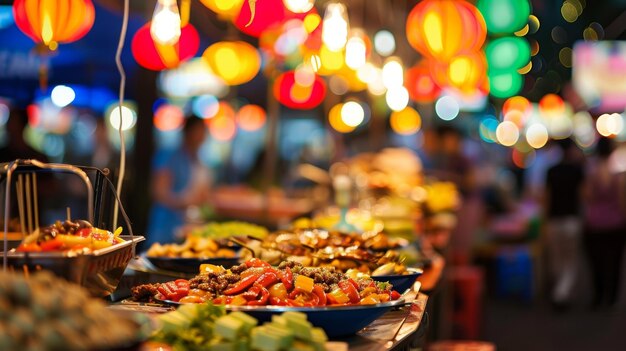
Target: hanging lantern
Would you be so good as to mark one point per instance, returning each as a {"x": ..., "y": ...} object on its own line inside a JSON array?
[
  {"x": 296, "y": 96},
  {"x": 421, "y": 85},
  {"x": 156, "y": 57},
  {"x": 54, "y": 21},
  {"x": 236, "y": 62},
  {"x": 464, "y": 72},
  {"x": 504, "y": 16},
  {"x": 442, "y": 29},
  {"x": 251, "y": 117},
  {"x": 226, "y": 9},
  {"x": 268, "y": 13}
]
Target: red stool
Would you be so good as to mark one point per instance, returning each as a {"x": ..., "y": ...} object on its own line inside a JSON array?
[
  {"x": 467, "y": 284},
  {"x": 465, "y": 345}
]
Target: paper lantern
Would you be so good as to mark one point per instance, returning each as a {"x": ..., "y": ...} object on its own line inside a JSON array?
[
  {"x": 226, "y": 9},
  {"x": 421, "y": 85},
  {"x": 463, "y": 72},
  {"x": 504, "y": 16},
  {"x": 442, "y": 29},
  {"x": 156, "y": 57},
  {"x": 507, "y": 53},
  {"x": 251, "y": 117},
  {"x": 236, "y": 62},
  {"x": 296, "y": 96},
  {"x": 54, "y": 21},
  {"x": 268, "y": 13}
]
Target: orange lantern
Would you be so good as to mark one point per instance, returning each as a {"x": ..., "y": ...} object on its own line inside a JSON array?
[
  {"x": 157, "y": 57},
  {"x": 54, "y": 21},
  {"x": 226, "y": 9},
  {"x": 251, "y": 117},
  {"x": 442, "y": 29},
  {"x": 236, "y": 62},
  {"x": 420, "y": 84},
  {"x": 463, "y": 72},
  {"x": 296, "y": 96}
]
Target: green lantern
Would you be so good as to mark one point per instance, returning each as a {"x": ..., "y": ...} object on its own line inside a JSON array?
[
  {"x": 504, "y": 16},
  {"x": 504, "y": 84},
  {"x": 507, "y": 53}
]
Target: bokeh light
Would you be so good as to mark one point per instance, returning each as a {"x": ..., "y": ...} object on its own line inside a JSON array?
[
  {"x": 335, "y": 26},
  {"x": 551, "y": 104},
  {"x": 62, "y": 95},
  {"x": 487, "y": 129},
  {"x": 537, "y": 135},
  {"x": 507, "y": 133},
  {"x": 384, "y": 43},
  {"x": 251, "y": 117},
  {"x": 352, "y": 113},
  {"x": 610, "y": 125},
  {"x": 222, "y": 128},
  {"x": 397, "y": 98},
  {"x": 299, "y": 6},
  {"x": 356, "y": 52},
  {"x": 129, "y": 117},
  {"x": 405, "y": 122},
  {"x": 168, "y": 117},
  {"x": 447, "y": 108},
  {"x": 336, "y": 121},
  {"x": 504, "y": 16},
  {"x": 393, "y": 73},
  {"x": 205, "y": 106},
  {"x": 516, "y": 103}
]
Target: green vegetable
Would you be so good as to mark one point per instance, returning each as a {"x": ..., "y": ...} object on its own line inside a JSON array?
[
  {"x": 224, "y": 230},
  {"x": 228, "y": 327}
]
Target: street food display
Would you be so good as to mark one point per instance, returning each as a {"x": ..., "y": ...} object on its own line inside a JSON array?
[
  {"x": 257, "y": 283},
  {"x": 225, "y": 230},
  {"x": 192, "y": 247}
]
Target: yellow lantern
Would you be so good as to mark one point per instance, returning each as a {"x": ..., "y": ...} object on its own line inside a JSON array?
[
  {"x": 463, "y": 72},
  {"x": 442, "y": 29},
  {"x": 236, "y": 62},
  {"x": 226, "y": 9}
]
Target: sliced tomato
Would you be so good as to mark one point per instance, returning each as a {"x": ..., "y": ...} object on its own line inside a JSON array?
[{"x": 349, "y": 290}]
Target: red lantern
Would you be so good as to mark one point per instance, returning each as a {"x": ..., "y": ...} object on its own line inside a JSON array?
[
  {"x": 296, "y": 96},
  {"x": 54, "y": 21},
  {"x": 442, "y": 29},
  {"x": 421, "y": 85},
  {"x": 268, "y": 13},
  {"x": 157, "y": 57}
]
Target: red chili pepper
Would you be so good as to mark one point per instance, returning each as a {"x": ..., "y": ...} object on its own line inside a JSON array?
[
  {"x": 294, "y": 303},
  {"x": 51, "y": 245},
  {"x": 252, "y": 293},
  {"x": 355, "y": 284},
  {"x": 262, "y": 300},
  {"x": 242, "y": 285},
  {"x": 350, "y": 290},
  {"x": 34, "y": 247},
  {"x": 255, "y": 262},
  {"x": 318, "y": 290},
  {"x": 303, "y": 298},
  {"x": 286, "y": 277},
  {"x": 85, "y": 232},
  {"x": 267, "y": 279},
  {"x": 277, "y": 301},
  {"x": 394, "y": 295}
]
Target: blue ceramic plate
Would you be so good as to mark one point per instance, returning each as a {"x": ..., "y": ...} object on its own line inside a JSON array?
[
  {"x": 335, "y": 320},
  {"x": 400, "y": 282},
  {"x": 189, "y": 265}
]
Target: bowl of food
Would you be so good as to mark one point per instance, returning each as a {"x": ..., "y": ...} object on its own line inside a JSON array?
[{"x": 188, "y": 256}]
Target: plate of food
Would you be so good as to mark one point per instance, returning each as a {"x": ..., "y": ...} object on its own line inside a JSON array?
[
  {"x": 188, "y": 256},
  {"x": 401, "y": 282},
  {"x": 330, "y": 299}
]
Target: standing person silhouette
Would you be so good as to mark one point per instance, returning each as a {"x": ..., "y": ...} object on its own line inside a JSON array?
[{"x": 605, "y": 224}]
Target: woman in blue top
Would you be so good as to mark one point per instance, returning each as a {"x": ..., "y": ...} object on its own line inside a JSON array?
[{"x": 179, "y": 181}]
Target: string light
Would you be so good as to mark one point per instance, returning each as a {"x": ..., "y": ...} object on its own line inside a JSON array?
[{"x": 165, "y": 26}]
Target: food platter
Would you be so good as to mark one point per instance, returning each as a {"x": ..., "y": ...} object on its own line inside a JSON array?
[
  {"x": 400, "y": 282},
  {"x": 189, "y": 265},
  {"x": 335, "y": 320}
]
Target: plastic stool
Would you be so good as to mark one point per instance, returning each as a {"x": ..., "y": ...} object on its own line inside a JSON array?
[
  {"x": 514, "y": 273},
  {"x": 468, "y": 287},
  {"x": 465, "y": 345}
]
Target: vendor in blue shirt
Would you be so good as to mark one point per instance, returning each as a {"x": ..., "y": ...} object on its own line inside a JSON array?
[{"x": 179, "y": 181}]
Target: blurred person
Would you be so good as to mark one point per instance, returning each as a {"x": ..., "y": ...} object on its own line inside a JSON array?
[
  {"x": 179, "y": 181},
  {"x": 17, "y": 146},
  {"x": 562, "y": 206},
  {"x": 605, "y": 224}
]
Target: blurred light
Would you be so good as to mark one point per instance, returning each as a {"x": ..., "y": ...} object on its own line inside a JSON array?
[
  {"x": 505, "y": 84},
  {"x": 487, "y": 129},
  {"x": 338, "y": 85},
  {"x": 584, "y": 129},
  {"x": 191, "y": 78},
  {"x": 384, "y": 43},
  {"x": 565, "y": 57},
  {"x": 165, "y": 25},
  {"x": 522, "y": 32},
  {"x": 331, "y": 60},
  {"x": 335, "y": 26},
  {"x": 397, "y": 98},
  {"x": 526, "y": 69},
  {"x": 534, "y": 47},
  {"x": 533, "y": 24},
  {"x": 129, "y": 117},
  {"x": 299, "y": 6},
  {"x": 336, "y": 121},
  {"x": 355, "y": 52},
  {"x": 316, "y": 62},
  {"x": 559, "y": 35},
  {"x": 376, "y": 86},
  {"x": 406, "y": 122},
  {"x": 393, "y": 73},
  {"x": 304, "y": 75},
  {"x": 516, "y": 103},
  {"x": 62, "y": 95},
  {"x": 551, "y": 104},
  {"x": 223, "y": 127},
  {"x": 517, "y": 117},
  {"x": 168, "y": 117},
  {"x": 523, "y": 159},
  {"x": 507, "y": 133},
  {"x": 610, "y": 125},
  {"x": 367, "y": 73},
  {"x": 4, "y": 114},
  {"x": 311, "y": 22},
  {"x": 537, "y": 135},
  {"x": 447, "y": 108},
  {"x": 569, "y": 12},
  {"x": 53, "y": 145},
  {"x": 504, "y": 16},
  {"x": 590, "y": 34},
  {"x": 205, "y": 106},
  {"x": 6, "y": 16},
  {"x": 352, "y": 114},
  {"x": 251, "y": 117},
  {"x": 560, "y": 126}
]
